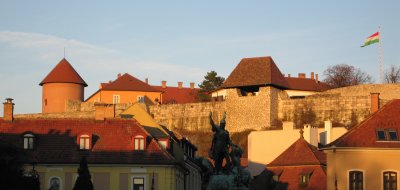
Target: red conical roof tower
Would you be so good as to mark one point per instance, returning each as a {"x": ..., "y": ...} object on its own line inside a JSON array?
[{"x": 63, "y": 83}]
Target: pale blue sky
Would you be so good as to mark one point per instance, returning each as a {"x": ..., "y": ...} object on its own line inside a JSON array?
[{"x": 182, "y": 40}]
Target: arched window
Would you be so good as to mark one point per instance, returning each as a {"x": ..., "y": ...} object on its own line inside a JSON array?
[
  {"x": 29, "y": 141},
  {"x": 84, "y": 142},
  {"x": 139, "y": 142},
  {"x": 54, "y": 183},
  {"x": 390, "y": 180},
  {"x": 356, "y": 180}
]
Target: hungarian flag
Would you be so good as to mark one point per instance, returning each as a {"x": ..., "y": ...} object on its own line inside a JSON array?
[{"x": 374, "y": 38}]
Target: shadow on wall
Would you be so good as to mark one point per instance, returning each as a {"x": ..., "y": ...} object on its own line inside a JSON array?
[{"x": 265, "y": 180}]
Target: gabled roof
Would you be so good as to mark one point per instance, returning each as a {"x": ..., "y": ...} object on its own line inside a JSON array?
[
  {"x": 56, "y": 141},
  {"x": 63, "y": 72},
  {"x": 177, "y": 95},
  {"x": 128, "y": 83},
  {"x": 300, "y": 153},
  {"x": 306, "y": 84},
  {"x": 256, "y": 71},
  {"x": 364, "y": 134}
]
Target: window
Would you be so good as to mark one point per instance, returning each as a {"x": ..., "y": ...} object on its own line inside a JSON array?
[
  {"x": 84, "y": 142},
  {"x": 139, "y": 142},
  {"x": 138, "y": 183},
  {"x": 55, "y": 183},
  {"x": 389, "y": 180},
  {"x": 304, "y": 179},
  {"x": 392, "y": 134},
  {"x": 386, "y": 135},
  {"x": 140, "y": 99},
  {"x": 355, "y": 180},
  {"x": 163, "y": 143},
  {"x": 116, "y": 99},
  {"x": 28, "y": 141}
]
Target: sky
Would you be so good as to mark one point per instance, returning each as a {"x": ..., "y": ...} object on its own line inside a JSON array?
[{"x": 183, "y": 40}]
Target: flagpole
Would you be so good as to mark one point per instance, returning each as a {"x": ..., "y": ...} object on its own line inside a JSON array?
[{"x": 380, "y": 55}]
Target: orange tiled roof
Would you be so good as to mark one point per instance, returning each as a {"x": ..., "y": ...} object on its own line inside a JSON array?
[
  {"x": 306, "y": 84},
  {"x": 256, "y": 71},
  {"x": 178, "y": 95},
  {"x": 63, "y": 72},
  {"x": 56, "y": 141},
  {"x": 128, "y": 83},
  {"x": 300, "y": 153},
  {"x": 289, "y": 177},
  {"x": 364, "y": 134}
]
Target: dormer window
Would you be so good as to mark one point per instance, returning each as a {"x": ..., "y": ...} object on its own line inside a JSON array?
[
  {"x": 29, "y": 141},
  {"x": 139, "y": 142},
  {"x": 304, "y": 179},
  {"x": 84, "y": 142}
]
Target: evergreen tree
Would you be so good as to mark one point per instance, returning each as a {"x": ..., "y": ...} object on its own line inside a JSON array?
[
  {"x": 211, "y": 82},
  {"x": 83, "y": 182}
]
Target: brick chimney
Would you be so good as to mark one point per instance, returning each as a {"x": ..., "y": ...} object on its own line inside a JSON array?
[
  {"x": 312, "y": 75},
  {"x": 302, "y": 75},
  {"x": 192, "y": 85},
  {"x": 288, "y": 75},
  {"x": 103, "y": 111},
  {"x": 180, "y": 85},
  {"x": 146, "y": 80},
  {"x": 164, "y": 84},
  {"x": 374, "y": 102},
  {"x": 316, "y": 77},
  {"x": 8, "y": 110}
]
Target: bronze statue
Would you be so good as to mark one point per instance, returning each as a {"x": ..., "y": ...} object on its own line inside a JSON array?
[{"x": 220, "y": 144}]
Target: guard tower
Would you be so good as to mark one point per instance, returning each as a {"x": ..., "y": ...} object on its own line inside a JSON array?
[{"x": 63, "y": 83}]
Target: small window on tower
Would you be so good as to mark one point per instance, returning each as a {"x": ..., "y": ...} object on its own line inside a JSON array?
[{"x": 45, "y": 102}]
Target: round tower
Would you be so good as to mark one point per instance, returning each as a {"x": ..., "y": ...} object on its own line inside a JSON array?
[{"x": 63, "y": 83}]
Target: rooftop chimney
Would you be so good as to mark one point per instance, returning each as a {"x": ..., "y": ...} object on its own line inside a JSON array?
[
  {"x": 302, "y": 75},
  {"x": 312, "y": 75},
  {"x": 119, "y": 75},
  {"x": 164, "y": 84},
  {"x": 316, "y": 77},
  {"x": 146, "y": 80},
  {"x": 8, "y": 110},
  {"x": 192, "y": 85},
  {"x": 374, "y": 102},
  {"x": 180, "y": 85},
  {"x": 288, "y": 75}
]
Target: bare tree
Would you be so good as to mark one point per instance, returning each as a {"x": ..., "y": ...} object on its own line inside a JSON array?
[
  {"x": 392, "y": 75},
  {"x": 342, "y": 75}
]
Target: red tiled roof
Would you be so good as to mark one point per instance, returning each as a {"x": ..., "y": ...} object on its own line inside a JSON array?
[
  {"x": 256, "y": 71},
  {"x": 178, "y": 95},
  {"x": 300, "y": 153},
  {"x": 306, "y": 84},
  {"x": 56, "y": 141},
  {"x": 63, "y": 72},
  {"x": 364, "y": 134},
  {"x": 128, "y": 83},
  {"x": 289, "y": 177}
]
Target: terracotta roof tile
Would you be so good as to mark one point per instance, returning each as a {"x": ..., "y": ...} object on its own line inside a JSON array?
[
  {"x": 306, "y": 84},
  {"x": 256, "y": 71},
  {"x": 56, "y": 141},
  {"x": 63, "y": 72},
  {"x": 300, "y": 153},
  {"x": 364, "y": 134},
  {"x": 177, "y": 95},
  {"x": 289, "y": 177},
  {"x": 128, "y": 83}
]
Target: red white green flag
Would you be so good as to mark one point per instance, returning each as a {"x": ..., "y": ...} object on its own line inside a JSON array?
[{"x": 374, "y": 38}]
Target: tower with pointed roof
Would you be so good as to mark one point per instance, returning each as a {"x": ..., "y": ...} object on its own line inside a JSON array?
[{"x": 63, "y": 83}]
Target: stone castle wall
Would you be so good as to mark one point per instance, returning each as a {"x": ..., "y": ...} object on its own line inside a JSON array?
[{"x": 269, "y": 108}]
